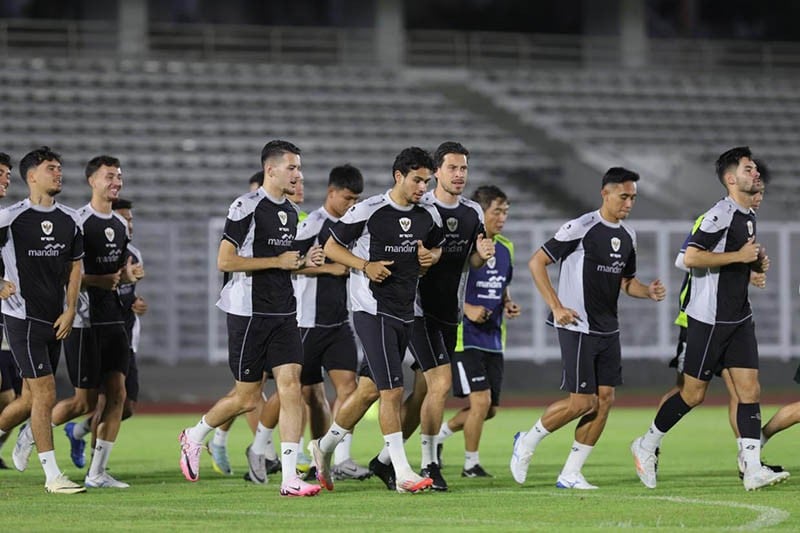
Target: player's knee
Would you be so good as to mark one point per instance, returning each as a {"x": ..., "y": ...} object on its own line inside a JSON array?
[
  {"x": 582, "y": 404},
  {"x": 605, "y": 399}
]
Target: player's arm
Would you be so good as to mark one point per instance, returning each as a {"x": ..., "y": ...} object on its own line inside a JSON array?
[
  {"x": 333, "y": 269},
  {"x": 375, "y": 270},
  {"x": 107, "y": 282},
  {"x": 698, "y": 258},
  {"x": 484, "y": 249},
  {"x": 538, "y": 267},
  {"x": 63, "y": 324},
  {"x": 655, "y": 290},
  {"x": 510, "y": 307},
  {"x": 230, "y": 261}
]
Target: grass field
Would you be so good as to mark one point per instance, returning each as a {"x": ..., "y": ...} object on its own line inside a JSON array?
[{"x": 698, "y": 487}]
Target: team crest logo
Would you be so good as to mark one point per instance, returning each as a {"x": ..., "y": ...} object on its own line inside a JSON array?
[
  {"x": 405, "y": 223},
  {"x": 283, "y": 217},
  {"x": 491, "y": 262},
  {"x": 47, "y": 227},
  {"x": 109, "y": 234},
  {"x": 749, "y": 227},
  {"x": 452, "y": 223},
  {"x": 615, "y": 242}
]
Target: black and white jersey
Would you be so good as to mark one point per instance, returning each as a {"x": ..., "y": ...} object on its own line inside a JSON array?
[
  {"x": 441, "y": 289},
  {"x": 105, "y": 239},
  {"x": 595, "y": 255},
  {"x": 127, "y": 291},
  {"x": 321, "y": 299},
  {"x": 385, "y": 231},
  {"x": 260, "y": 226},
  {"x": 39, "y": 245},
  {"x": 720, "y": 295}
]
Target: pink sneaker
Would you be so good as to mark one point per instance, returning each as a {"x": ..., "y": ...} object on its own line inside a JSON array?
[
  {"x": 322, "y": 461},
  {"x": 190, "y": 457},
  {"x": 298, "y": 487}
]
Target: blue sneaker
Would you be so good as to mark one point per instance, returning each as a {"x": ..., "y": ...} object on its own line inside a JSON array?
[{"x": 77, "y": 446}]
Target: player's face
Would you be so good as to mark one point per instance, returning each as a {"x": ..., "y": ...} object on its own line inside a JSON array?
[
  {"x": 47, "y": 176},
  {"x": 5, "y": 179},
  {"x": 340, "y": 200},
  {"x": 618, "y": 199},
  {"x": 299, "y": 191},
  {"x": 106, "y": 182},
  {"x": 127, "y": 214},
  {"x": 452, "y": 175},
  {"x": 495, "y": 217},
  {"x": 748, "y": 179},
  {"x": 413, "y": 185},
  {"x": 283, "y": 173},
  {"x": 757, "y": 199}
]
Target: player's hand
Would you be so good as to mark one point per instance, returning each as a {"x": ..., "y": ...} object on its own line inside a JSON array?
[
  {"x": 424, "y": 256},
  {"x": 139, "y": 306},
  {"x": 291, "y": 260},
  {"x": 131, "y": 273},
  {"x": 8, "y": 290},
  {"x": 484, "y": 247},
  {"x": 656, "y": 290},
  {"x": 762, "y": 263},
  {"x": 749, "y": 251},
  {"x": 63, "y": 324},
  {"x": 315, "y": 256},
  {"x": 109, "y": 282},
  {"x": 511, "y": 309},
  {"x": 476, "y": 313},
  {"x": 376, "y": 270},
  {"x": 564, "y": 316},
  {"x": 758, "y": 279}
]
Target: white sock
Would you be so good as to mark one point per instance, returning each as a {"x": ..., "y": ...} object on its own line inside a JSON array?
[
  {"x": 80, "y": 429},
  {"x": 394, "y": 441},
  {"x": 199, "y": 432},
  {"x": 102, "y": 450},
  {"x": 301, "y": 443},
  {"x": 48, "y": 461},
  {"x": 383, "y": 455},
  {"x": 270, "y": 453},
  {"x": 444, "y": 432},
  {"x": 428, "y": 449},
  {"x": 2, "y": 432},
  {"x": 764, "y": 439},
  {"x": 260, "y": 439},
  {"x": 577, "y": 456},
  {"x": 332, "y": 438},
  {"x": 751, "y": 453},
  {"x": 221, "y": 438},
  {"x": 342, "y": 452},
  {"x": 533, "y": 437},
  {"x": 289, "y": 460},
  {"x": 652, "y": 439},
  {"x": 471, "y": 459}
]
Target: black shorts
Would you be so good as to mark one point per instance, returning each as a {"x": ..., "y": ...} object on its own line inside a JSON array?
[
  {"x": 710, "y": 348},
  {"x": 83, "y": 359},
  {"x": 432, "y": 343},
  {"x": 680, "y": 352},
  {"x": 331, "y": 348},
  {"x": 257, "y": 344},
  {"x": 132, "y": 379},
  {"x": 9, "y": 373},
  {"x": 477, "y": 370},
  {"x": 384, "y": 340},
  {"x": 33, "y": 345},
  {"x": 114, "y": 347},
  {"x": 589, "y": 361}
]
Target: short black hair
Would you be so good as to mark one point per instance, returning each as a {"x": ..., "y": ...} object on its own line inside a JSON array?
[
  {"x": 731, "y": 159},
  {"x": 486, "y": 194},
  {"x": 412, "y": 158},
  {"x": 277, "y": 148},
  {"x": 763, "y": 169},
  {"x": 346, "y": 177},
  {"x": 619, "y": 175},
  {"x": 99, "y": 161},
  {"x": 35, "y": 158},
  {"x": 121, "y": 203},
  {"x": 258, "y": 177},
  {"x": 5, "y": 159},
  {"x": 448, "y": 147}
]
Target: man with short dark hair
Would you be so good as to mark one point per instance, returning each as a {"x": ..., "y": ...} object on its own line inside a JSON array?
[{"x": 597, "y": 252}]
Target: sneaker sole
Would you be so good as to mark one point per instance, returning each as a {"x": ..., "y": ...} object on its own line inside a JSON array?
[
  {"x": 770, "y": 484},
  {"x": 78, "y": 490}
]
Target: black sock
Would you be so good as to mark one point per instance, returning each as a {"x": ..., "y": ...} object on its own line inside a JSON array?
[
  {"x": 748, "y": 419},
  {"x": 671, "y": 411}
]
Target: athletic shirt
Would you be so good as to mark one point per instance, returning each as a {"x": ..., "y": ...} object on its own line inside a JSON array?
[
  {"x": 485, "y": 286},
  {"x": 595, "y": 255},
  {"x": 105, "y": 239},
  {"x": 385, "y": 231},
  {"x": 39, "y": 246},
  {"x": 322, "y": 298},
  {"x": 259, "y": 226},
  {"x": 720, "y": 295},
  {"x": 127, "y": 294},
  {"x": 441, "y": 289},
  {"x": 686, "y": 286}
]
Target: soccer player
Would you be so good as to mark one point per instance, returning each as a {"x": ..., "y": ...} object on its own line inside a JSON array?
[
  {"x": 394, "y": 235},
  {"x": 258, "y": 248},
  {"x": 42, "y": 248},
  {"x": 597, "y": 252},
  {"x": 721, "y": 253},
  {"x": 478, "y": 359}
]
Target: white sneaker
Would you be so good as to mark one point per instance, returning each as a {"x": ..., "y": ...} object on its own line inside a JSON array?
[
  {"x": 646, "y": 463},
  {"x": 23, "y": 448},
  {"x": 574, "y": 481},
  {"x": 741, "y": 464},
  {"x": 63, "y": 485},
  {"x": 520, "y": 459},
  {"x": 104, "y": 481},
  {"x": 349, "y": 469},
  {"x": 763, "y": 477},
  {"x": 412, "y": 483}
]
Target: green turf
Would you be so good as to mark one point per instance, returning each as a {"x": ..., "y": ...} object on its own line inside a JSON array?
[{"x": 698, "y": 487}]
